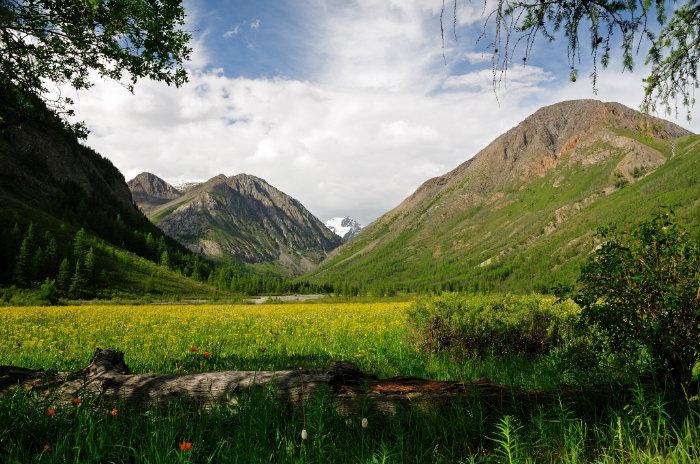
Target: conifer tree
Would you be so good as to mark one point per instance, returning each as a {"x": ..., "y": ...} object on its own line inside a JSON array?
[
  {"x": 38, "y": 263},
  {"x": 165, "y": 259},
  {"x": 103, "y": 277},
  {"x": 64, "y": 278},
  {"x": 90, "y": 267},
  {"x": 151, "y": 246},
  {"x": 78, "y": 284},
  {"x": 50, "y": 253},
  {"x": 23, "y": 264},
  {"x": 80, "y": 245}
]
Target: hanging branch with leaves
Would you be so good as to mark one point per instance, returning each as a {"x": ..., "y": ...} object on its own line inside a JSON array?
[
  {"x": 594, "y": 25},
  {"x": 63, "y": 42}
]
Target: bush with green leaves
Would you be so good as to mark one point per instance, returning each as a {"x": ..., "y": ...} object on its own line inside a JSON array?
[
  {"x": 481, "y": 324},
  {"x": 48, "y": 292},
  {"x": 639, "y": 296}
]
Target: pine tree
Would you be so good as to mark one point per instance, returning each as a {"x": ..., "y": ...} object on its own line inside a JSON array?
[
  {"x": 151, "y": 246},
  {"x": 50, "y": 253},
  {"x": 162, "y": 247},
  {"x": 165, "y": 259},
  {"x": 78, "y": 285},
  {"x": 38, "y": 263},
  {"x": 63, "y": 279},
  {"x": 196, "y": 271},
  {"x": 90, "y": 267},
  {"x": 103, "y": 278},
  {"x": 23, "y": 272},
  {"x": 80, "y": 245}
]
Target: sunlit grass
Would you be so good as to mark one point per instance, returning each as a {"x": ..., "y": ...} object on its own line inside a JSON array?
[{"x": 640, "y": 425}]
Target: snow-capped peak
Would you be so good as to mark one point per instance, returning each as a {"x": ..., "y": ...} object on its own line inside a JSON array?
[{"x": 345, "y": 227}]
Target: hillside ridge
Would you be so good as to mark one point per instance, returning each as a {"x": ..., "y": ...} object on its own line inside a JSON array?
[{"x": 533, "y": 185}]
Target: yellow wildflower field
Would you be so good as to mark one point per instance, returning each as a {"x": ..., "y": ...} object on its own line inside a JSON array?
[{"x": 187, "y": 338}]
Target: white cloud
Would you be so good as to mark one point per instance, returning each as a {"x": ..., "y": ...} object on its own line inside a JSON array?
[
  {"x": 477, "y": 57},
  {"x": 519, "y": 77},
  {"x": 356, "y": 139},
  {"x": 255, "y": 24},
  {"x": 232, "y": 32}
]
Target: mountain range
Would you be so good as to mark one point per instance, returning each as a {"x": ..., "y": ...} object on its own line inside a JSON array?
[
  {"x": 241, "y": 217},
  {"x": 522, "y": 214}
]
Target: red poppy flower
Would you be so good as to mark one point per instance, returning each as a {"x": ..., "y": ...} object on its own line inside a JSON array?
[
  {"x": 185, "y": 446},
  {"x": 193, "y": 349},
  {"x": 51, "y": 412},
  {"x": 77, "y": 400},
  {"x": 114, "y": 412},
  {"x": 205, "y": 354}
]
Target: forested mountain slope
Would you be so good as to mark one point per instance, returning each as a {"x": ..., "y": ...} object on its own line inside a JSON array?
[{"x": 51, "y": 187}]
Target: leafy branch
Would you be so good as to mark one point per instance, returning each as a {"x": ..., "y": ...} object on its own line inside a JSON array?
[{"x": 516, "y": 25}]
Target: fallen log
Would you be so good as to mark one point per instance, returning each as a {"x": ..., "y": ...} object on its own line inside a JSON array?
[{"x": 108, "y": 377}]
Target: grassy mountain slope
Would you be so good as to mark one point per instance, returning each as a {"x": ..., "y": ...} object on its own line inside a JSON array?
[
  {"x": 245, "y": 218},
  {"x": 49, "y": 180},
  {"x": 521, "y": 214}
]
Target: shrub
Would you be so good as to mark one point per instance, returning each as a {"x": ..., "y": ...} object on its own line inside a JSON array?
[
  {"x": 48, "y": 292},
  {"x": 483, "y": 324},
  {"x": 638, "y": 294}
]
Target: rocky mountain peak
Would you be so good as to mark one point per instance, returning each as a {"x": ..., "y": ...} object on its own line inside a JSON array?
[
  {"x": 344, "y": 227},
  {"x": 245, "y": 217},
  {"x": 149, "y": 191},
  {"x": 541, "y": 141}
]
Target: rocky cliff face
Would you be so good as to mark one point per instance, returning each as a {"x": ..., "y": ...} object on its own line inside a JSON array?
[
  {"x": 245, "y": 217},
  {"x": 523, "y": 208},
  {"x": 150, "y": 191}
]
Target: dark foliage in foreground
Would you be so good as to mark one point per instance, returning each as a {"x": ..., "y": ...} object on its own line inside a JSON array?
[{"x": 639, "y": 293}]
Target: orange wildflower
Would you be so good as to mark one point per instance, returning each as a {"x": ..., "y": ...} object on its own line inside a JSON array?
[
  {"x": 193, "y": 349},
  {"x": 77, "y": 400},
  {"x": 114, "y": 412},
  {"x": 47, "y": 448},
  {"x": 51, "y": 412},
  {"x": 205, "y": 354},
  {"x": 185, "y": 446}
]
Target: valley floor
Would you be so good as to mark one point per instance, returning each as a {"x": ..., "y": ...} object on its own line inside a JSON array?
[{"x": 638, "y": 422}]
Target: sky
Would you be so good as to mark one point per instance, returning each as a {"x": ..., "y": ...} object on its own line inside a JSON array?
[{"x": 346, "y": 105}]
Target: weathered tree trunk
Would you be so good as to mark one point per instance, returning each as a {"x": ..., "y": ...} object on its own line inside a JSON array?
[{"x": 108, "y": 377}]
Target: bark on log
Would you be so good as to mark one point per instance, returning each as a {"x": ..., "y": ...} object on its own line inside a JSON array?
[{"x": 108, "y": 377}]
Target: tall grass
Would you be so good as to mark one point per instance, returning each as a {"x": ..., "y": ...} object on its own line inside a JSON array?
[
  {"x": 631, "y": 427},
  {"x": 615, "y": 424}
]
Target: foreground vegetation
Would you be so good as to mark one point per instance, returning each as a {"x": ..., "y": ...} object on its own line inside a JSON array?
[
  {"x": 630, "y": 420},
  {"x": 635, "y": 426}
]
